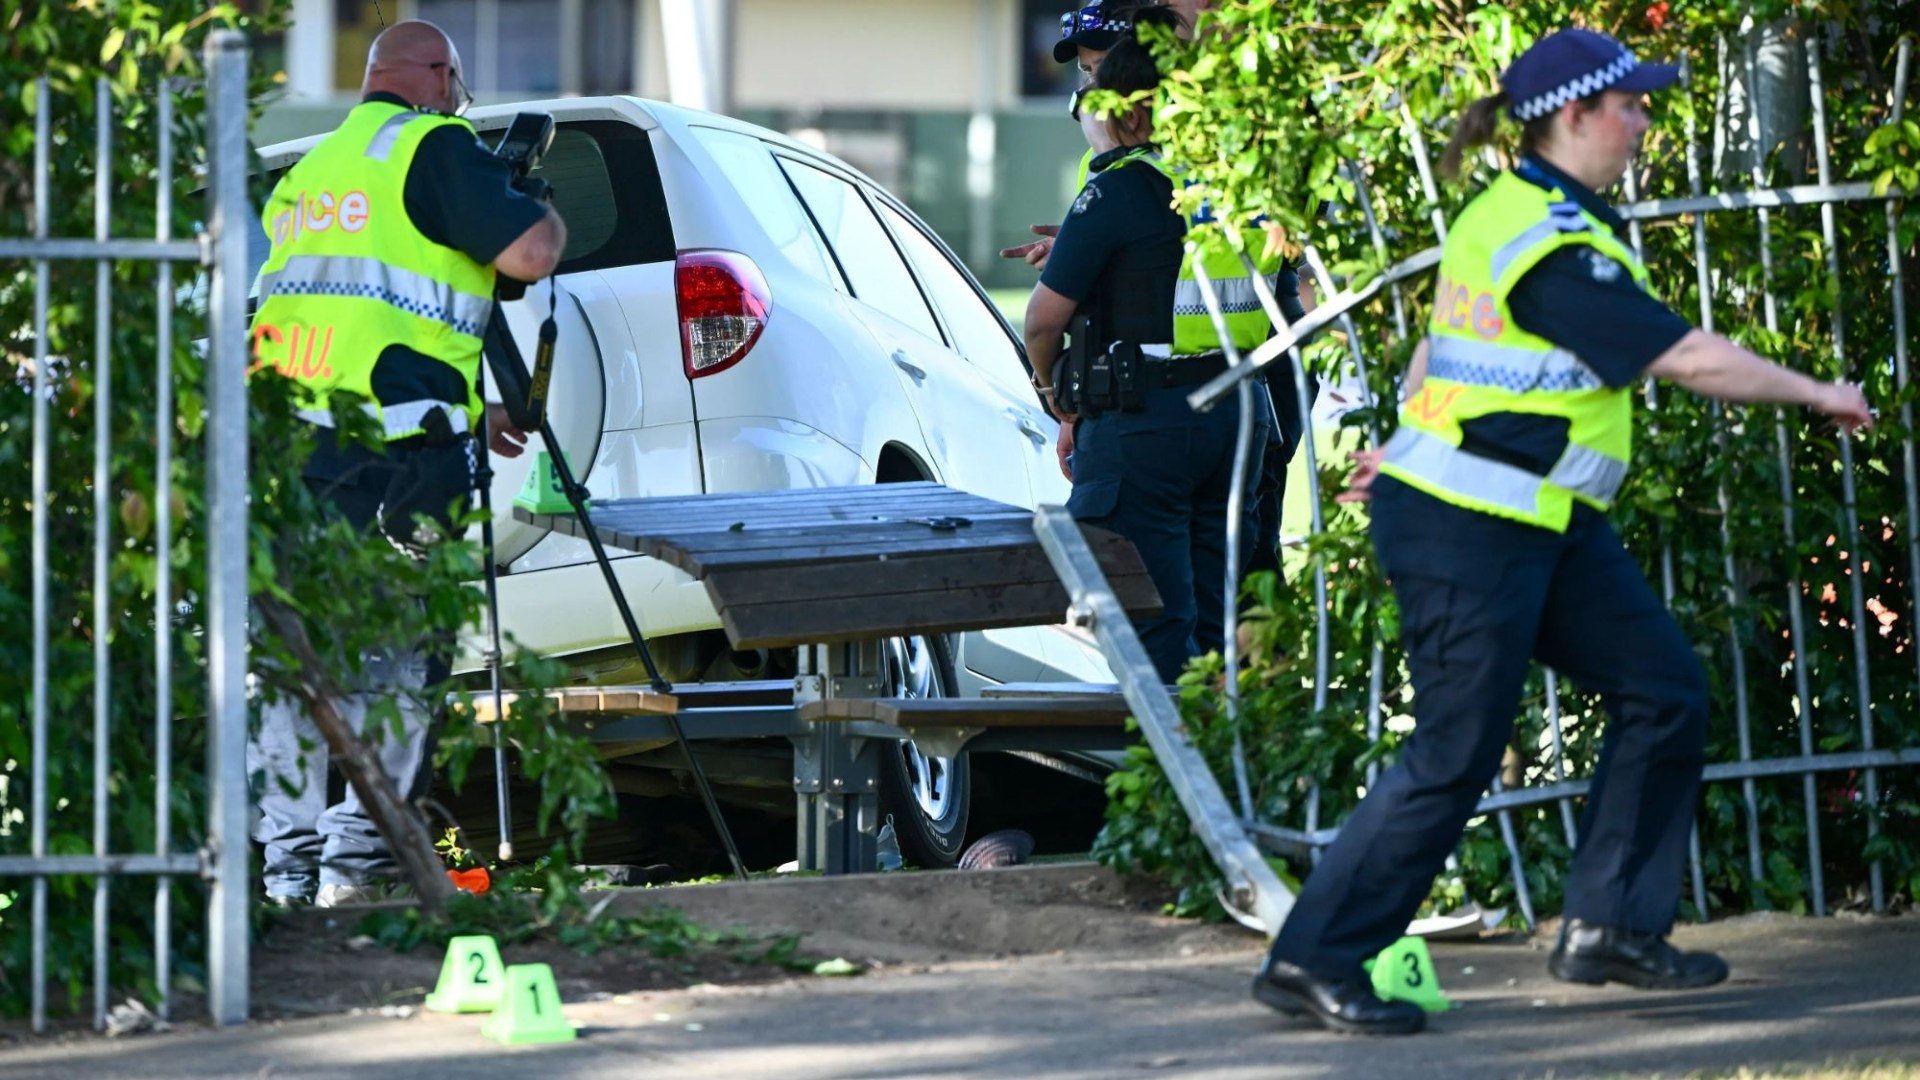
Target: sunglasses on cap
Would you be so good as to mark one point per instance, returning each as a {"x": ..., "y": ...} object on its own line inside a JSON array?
[{"x": 1091, "y": 17}]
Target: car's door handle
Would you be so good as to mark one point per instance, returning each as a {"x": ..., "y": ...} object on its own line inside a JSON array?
[
  {"x": 1031, "y": 430},
  {"x": 905, "y": 363}
]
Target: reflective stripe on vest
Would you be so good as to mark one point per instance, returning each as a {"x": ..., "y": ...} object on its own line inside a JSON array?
[
  {"x": 1558, "y": 221},
  {"x": 1194, "y": 333},
  {"x": 1481, "y": 363},
  {"x": 350, "y": 275},
  {"x": 1237, "y": 295},
  {"x": 1490, "y": 483},
  {"x": 347, "y": 275},
  {"x": 401, "y": 420},
  {"x": 1477, "y": 363}
]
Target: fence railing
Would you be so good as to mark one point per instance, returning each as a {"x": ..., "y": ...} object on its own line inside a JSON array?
[
  {"x": 1337, "y": 309},
  {"x": 221, "y": 612}
]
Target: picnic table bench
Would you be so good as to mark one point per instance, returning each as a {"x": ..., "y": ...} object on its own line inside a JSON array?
[{"x": 833, "y": 572}]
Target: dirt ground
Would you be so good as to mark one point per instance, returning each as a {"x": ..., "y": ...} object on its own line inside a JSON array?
[
  {"x": 314, "y": 962},
  {"x": 1053, "y": 972}
]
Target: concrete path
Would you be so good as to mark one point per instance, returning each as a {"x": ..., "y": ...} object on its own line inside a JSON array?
[{"x": 1805, "y": 992}]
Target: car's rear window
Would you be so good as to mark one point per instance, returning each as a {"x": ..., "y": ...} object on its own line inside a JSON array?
[{"x": 607, "y": 187}]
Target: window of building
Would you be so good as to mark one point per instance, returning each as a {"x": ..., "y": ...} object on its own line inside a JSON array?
[
  {"x": 1040, "y": 75},
  {"x": 355, "y": 24},
  {"x": 607, "y": 47},
  {"x": 506, "y": 46}
]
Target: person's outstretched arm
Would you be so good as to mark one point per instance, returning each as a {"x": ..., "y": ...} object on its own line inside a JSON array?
[{"x": 1711, "y": 365}]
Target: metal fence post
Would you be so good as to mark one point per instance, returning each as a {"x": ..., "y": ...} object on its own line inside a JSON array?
[{"x": 227, "y": 530}]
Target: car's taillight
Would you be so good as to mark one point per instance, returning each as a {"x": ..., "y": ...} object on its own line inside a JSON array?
[{"x": 724, "y": 304}]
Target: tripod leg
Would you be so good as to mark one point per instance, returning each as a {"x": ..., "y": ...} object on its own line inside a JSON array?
[
  {"x": 510, "y": 370},
  {"x": 577, "y": 496},
  {"x": 483, "y": 479}
]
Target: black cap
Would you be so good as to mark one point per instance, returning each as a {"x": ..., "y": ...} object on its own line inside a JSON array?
[
  {"x": 1569, "y": 65},
  {"x": 1096, "y": 27}
]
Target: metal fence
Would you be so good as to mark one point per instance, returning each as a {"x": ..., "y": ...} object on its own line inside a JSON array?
[
  {"x": 221, "y": 612},
  {"x": 1338, "y": 308}
]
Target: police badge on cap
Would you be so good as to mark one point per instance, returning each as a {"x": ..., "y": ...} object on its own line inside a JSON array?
[{"x": 1573, "y": 64}]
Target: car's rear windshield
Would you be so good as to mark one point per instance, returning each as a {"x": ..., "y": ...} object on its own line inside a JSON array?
[{"x": 607, "y": 187}]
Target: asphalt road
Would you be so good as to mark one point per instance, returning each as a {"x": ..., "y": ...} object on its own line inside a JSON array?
[{"x": 1804, "y": 992}]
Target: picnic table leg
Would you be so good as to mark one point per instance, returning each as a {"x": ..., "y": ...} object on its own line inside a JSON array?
[{"x": 836, "y": 776}]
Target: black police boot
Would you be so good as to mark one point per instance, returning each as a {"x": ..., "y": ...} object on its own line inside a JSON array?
[
  {"x": 1594, "y": 954},
  {"x": 1349, "y": 1007}
]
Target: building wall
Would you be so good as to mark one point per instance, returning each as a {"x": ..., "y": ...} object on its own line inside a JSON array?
[{"x": 893, "y": 86}]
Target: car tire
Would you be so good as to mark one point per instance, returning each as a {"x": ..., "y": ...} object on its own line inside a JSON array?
[{"x": 928, "y": 798}]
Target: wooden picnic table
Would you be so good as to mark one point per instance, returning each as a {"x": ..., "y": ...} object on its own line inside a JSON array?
[
  {"x": 814, "y": 565},
  {"x": 833, "y": 572}
]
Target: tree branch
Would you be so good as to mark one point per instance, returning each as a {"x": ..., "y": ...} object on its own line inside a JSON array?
[{"x": 405, "y": 833}]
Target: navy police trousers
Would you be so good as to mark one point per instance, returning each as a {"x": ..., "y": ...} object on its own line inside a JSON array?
[
  {"x": 1160, "y": 478},
  {"x": 1480, "y": 597}
]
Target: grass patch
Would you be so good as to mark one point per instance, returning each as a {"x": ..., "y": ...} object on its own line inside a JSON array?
[{"x": 1013, "y": 304}]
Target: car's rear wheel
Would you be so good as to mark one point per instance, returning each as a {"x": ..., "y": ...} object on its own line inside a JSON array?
[{"x": 928, "y": 797}]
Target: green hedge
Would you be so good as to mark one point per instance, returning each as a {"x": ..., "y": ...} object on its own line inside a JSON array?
[{"x": 353, "y": 596}]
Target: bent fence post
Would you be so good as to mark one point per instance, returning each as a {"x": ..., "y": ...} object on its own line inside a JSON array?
[{"x": 1252, "y": 885}]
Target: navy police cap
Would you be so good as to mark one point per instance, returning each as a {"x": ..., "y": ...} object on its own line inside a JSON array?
[
  {"x": 1569, "y": 65},
  {"x": 1097, "y": 26}
]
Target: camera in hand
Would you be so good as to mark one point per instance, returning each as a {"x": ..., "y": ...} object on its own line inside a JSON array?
[{"x": 524, "y": 143}]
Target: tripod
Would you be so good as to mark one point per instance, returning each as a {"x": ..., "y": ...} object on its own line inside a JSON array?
[{"x": 525, "y": 401}]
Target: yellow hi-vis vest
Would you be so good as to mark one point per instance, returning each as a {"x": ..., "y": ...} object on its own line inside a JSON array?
[
  {"x": 351, "y": 274},
  {"x": 1246, "y": 318},
  {"x": 1479, "y": 362}
]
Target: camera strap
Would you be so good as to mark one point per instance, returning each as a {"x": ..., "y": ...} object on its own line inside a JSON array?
[{"x": 543, "y": 356}]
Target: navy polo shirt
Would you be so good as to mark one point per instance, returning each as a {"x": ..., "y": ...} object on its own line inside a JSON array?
[
  {"x": 1119, "y": 250},
  {"x": 1584, "y": 302}
]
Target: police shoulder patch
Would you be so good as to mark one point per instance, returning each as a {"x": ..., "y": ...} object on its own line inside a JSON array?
[
  {"x": 1604, "y": 267},
  {"x": 1085, "y": 199}
]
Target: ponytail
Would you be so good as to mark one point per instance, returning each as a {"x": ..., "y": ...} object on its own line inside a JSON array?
[
  {"x": 1481, "y": 121},
  {"x": 1475, "y": 128}
]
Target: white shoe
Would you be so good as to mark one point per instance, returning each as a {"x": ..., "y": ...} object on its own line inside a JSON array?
[{"x": 332, "y": 896}]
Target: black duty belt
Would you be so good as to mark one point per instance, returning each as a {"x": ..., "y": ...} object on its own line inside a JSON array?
[{"x": 1185, "y": 370}]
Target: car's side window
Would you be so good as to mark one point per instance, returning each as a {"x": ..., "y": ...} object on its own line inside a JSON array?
[
  {"x": 873, "y": 267},
  {"x": 978, "y": 333},
  {"x": 748, "y": 163}
]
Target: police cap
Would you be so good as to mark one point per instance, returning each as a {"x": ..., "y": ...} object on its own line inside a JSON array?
[
  {"x": 1569, "y": 65},
  {"x": 1096, "y": 27}
]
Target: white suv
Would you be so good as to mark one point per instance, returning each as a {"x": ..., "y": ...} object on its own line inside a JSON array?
[{"x": 738, "y": 311}]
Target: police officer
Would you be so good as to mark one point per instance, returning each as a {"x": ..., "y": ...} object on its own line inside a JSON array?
[
  {"x": 1488, "y": 516},
  {"x": 1085, "y": 36},
  {"x": 386, "y": 240},
  {"x": 1144, "y": 464}
]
